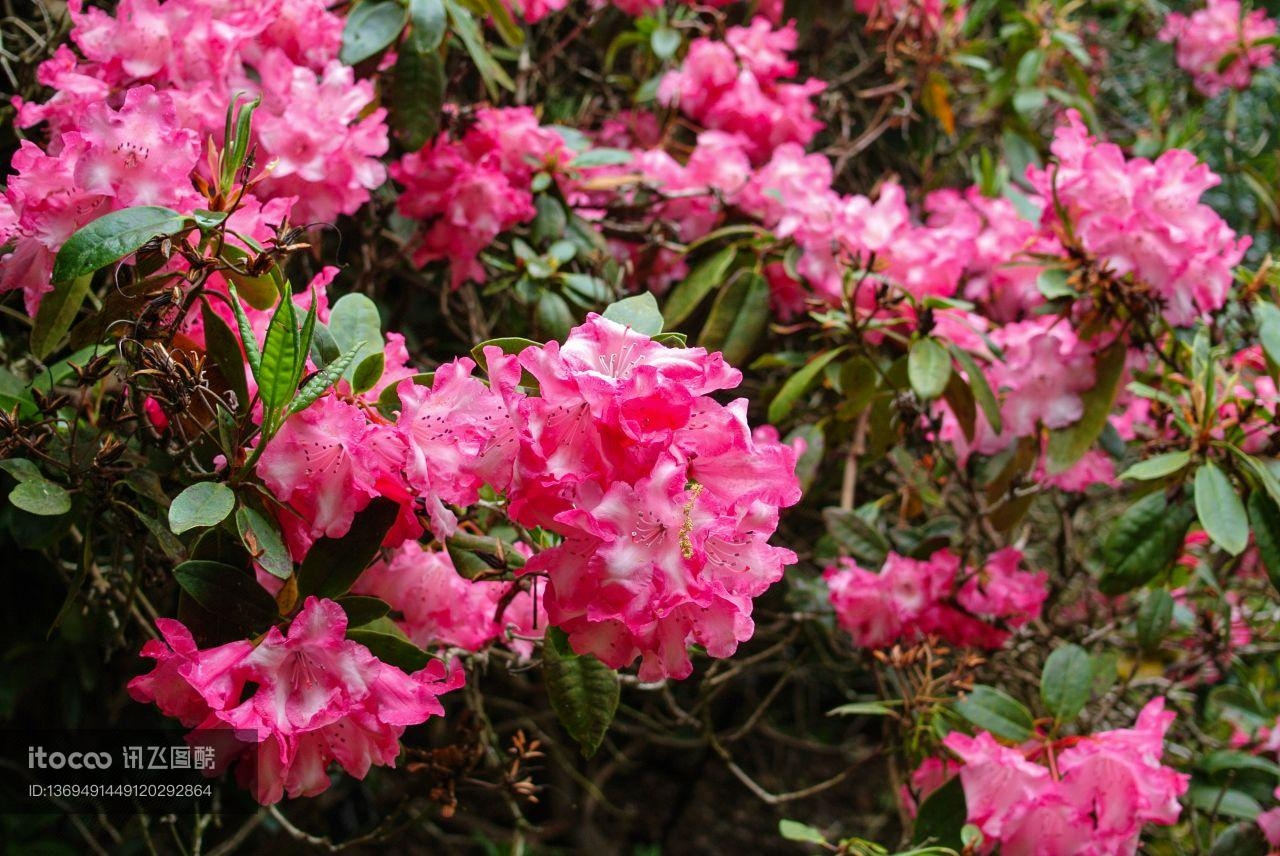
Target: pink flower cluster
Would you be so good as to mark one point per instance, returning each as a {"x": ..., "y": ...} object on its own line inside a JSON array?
[
  {"x": 1092, "y": 799},
  {"x": 201, "y": 53},
  {"x": 664, "y": 497},
  {"x": 1208, "y": 38},
  {"x": 471, "y": 189},
  {"x": 441, "y": 607},
  {"x": 138, "y": 154},
  {"x": 332, "y": 459},
  {"x": 736, "y": 86},
  {"x": 908, "y": 598},
  {"x": 1141, "y": 217},
  {"x": 310, "y": 697}
]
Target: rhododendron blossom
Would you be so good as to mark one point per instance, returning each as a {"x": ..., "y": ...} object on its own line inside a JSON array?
[
  {"x": 316, "y": 698},
  {"x": 909, "y": 598},
  {"x": 664, "y": 497},
  {"x": 1095, "y": 798},
  {"x": 1141, "y": 217},
  {"x": 1220, "y": 45}
]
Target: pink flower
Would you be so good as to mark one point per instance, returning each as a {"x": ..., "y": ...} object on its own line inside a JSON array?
[
  {"x": 1208, "y": 38},
  {"x": 1095, "y": 798},
  {"x": 317, "y": 698},
  {"x": 441, "y": 607},
  {"x": 736, "y": 86},
  {"x": 1143, "y": 218},
  {"x": 665, "y": 498}
]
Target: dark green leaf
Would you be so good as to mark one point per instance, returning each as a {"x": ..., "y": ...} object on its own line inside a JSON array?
[
  {"x": 507, "y": 28},
  {"x": 1068, "y": 445},
  {"x": 168, "y": 542},
  {"x": 417, "y": 93},
  {"x": 468, "y": 32},
  {"x": 554, "y": 315},
  {"x": 202, "y": 504},
  {"x": 1214, "y": 800},
  {"x": 942, "y": 815},
  {"x": 264, "y": 542},
  {"x": 1241, "y": 839},
  {"x": 992, "y": 710},
  {"x": 856, "y": 536},
  {"x": 705, "y": 277},
  {"x": 1268, "y": 317},
  {"x": 386, "y": 642},
  {"x": 1220, "y": 510},
  {"x": 583, "y": 691},
  {"x": 371, "y": 28},
  {"x": 57, "y": 310},
  {"x": 324, "y": 350},
  {"x": 798, "y": 384},
  {"x": 1066, "y": 682},
  {"x": 223, "y": 347},
  {"x": 228, "y": 592},
  {"x": 640, "y": 313},
  {"x": 1153, "y": 618},
  {"x": 1231, "y": 759},
  {"x": 928, "y": 368},
  {"x": 368, "y": 373},
  {"x": 738, "y": 317},
  {"x": 361, "y": 609},
  {"x": 1144, "y": 541},
  {"x": 1264, "y": 517},
  {"x": 112, "y": 237},
  {"x": 333, "y": 564},
  {"x": 982, "y": 393}
]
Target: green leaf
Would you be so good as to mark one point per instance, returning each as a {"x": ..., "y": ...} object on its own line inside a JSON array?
[
  {"x": 1212, "y": 799},
  {"x": 42, "y": 497},
  {"x": 228, "y": 593},
  {"x": 333, "y": 564},
  {"x": 738, "y": 317},
  {"x": 368, "y": 373},
  {"x": 665, "y": 41},
  {"x": 468, "y": 32},
  {"x": 1066, "y": 682},
  {"x": 204, "y": 503},
  {"x": 252, "y": 354},
  {"x": 223, "y": 347},
  {"x": 263, "y": 541},
  {"x": 1144, "y": 541},
  {"x": 855, "y": 535},
  {"x": 982, "y": 393},
  {"x": 602, "y": 156},
  {"x": 320, "y": 382},
  {"x": 640, "y": 313},
  {"x": 57, "y": 311},
  {"x": 1230, "y": 759},
  {"x": 386, "y": 642},
  {"x": 1241, "y": 839},
  {"x": 1268, "y": 317},
  {"x": 862, "y": 708},
  {"x": 1153, "y": 618},
  {"x": 1068, "y": 445},
  {"x": 22, "y": 470},
  {"x": 354, "y": 319},
  {"x": 324, "y": 350},
  {"x": 168, "y": 542},
  {"x": 992, "y": 710},
  {"x": 554, "y": 315},
  {"x": 417, "y": 94},
  {"x": 705, "y": 277},
  {"x": 361, "y": 609},
  {"x": 429, "y": 24},
  {"x": 1220, "y": 510},
  {"x": 583, "y": 691},
  {"x": 371, "y": 28},
  {"x": 389, "y": 398},
  {"x": 1264, "y": 518},
  {"x": 800, "y": 383},
  {"x": 503, "y": 22},
  {"x": 1158, "y": 467},
  {"x": 280, "y": 358},
  {"x": 112, "y": 237},
  {"x": 942, "y": 815},
  {"x": 1054, "y": 283},
  {"x": 796, "y": 831},
  {"x": 928, "y": 368}
]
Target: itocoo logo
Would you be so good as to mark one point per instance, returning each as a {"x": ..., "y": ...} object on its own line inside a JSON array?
[{"x": 38, "y": 758}]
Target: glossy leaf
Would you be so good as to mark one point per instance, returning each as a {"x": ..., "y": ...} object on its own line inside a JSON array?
[
  {"x": 738, "y": 317},
  {"x": 1068, "y": 445},
  {"x": 1143, "y": 542},
  {"x": 799, "y": 383},
  {"x": 704, "y": 278},
  {"x": 1220, "y": 510},
  {"x": 371, "y": 27},
  {"x": 206, "y": 503},
  {"x": 992, "y": 710},
  {"x": 228, "y": 592},
  {"x": 333, "y": 564},
  {"x": 640, "y": 313},
  {"x": 1066, "y": 682},
  {"x": 112, "y": 237},
  {"x": 57, "y": 311}
]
